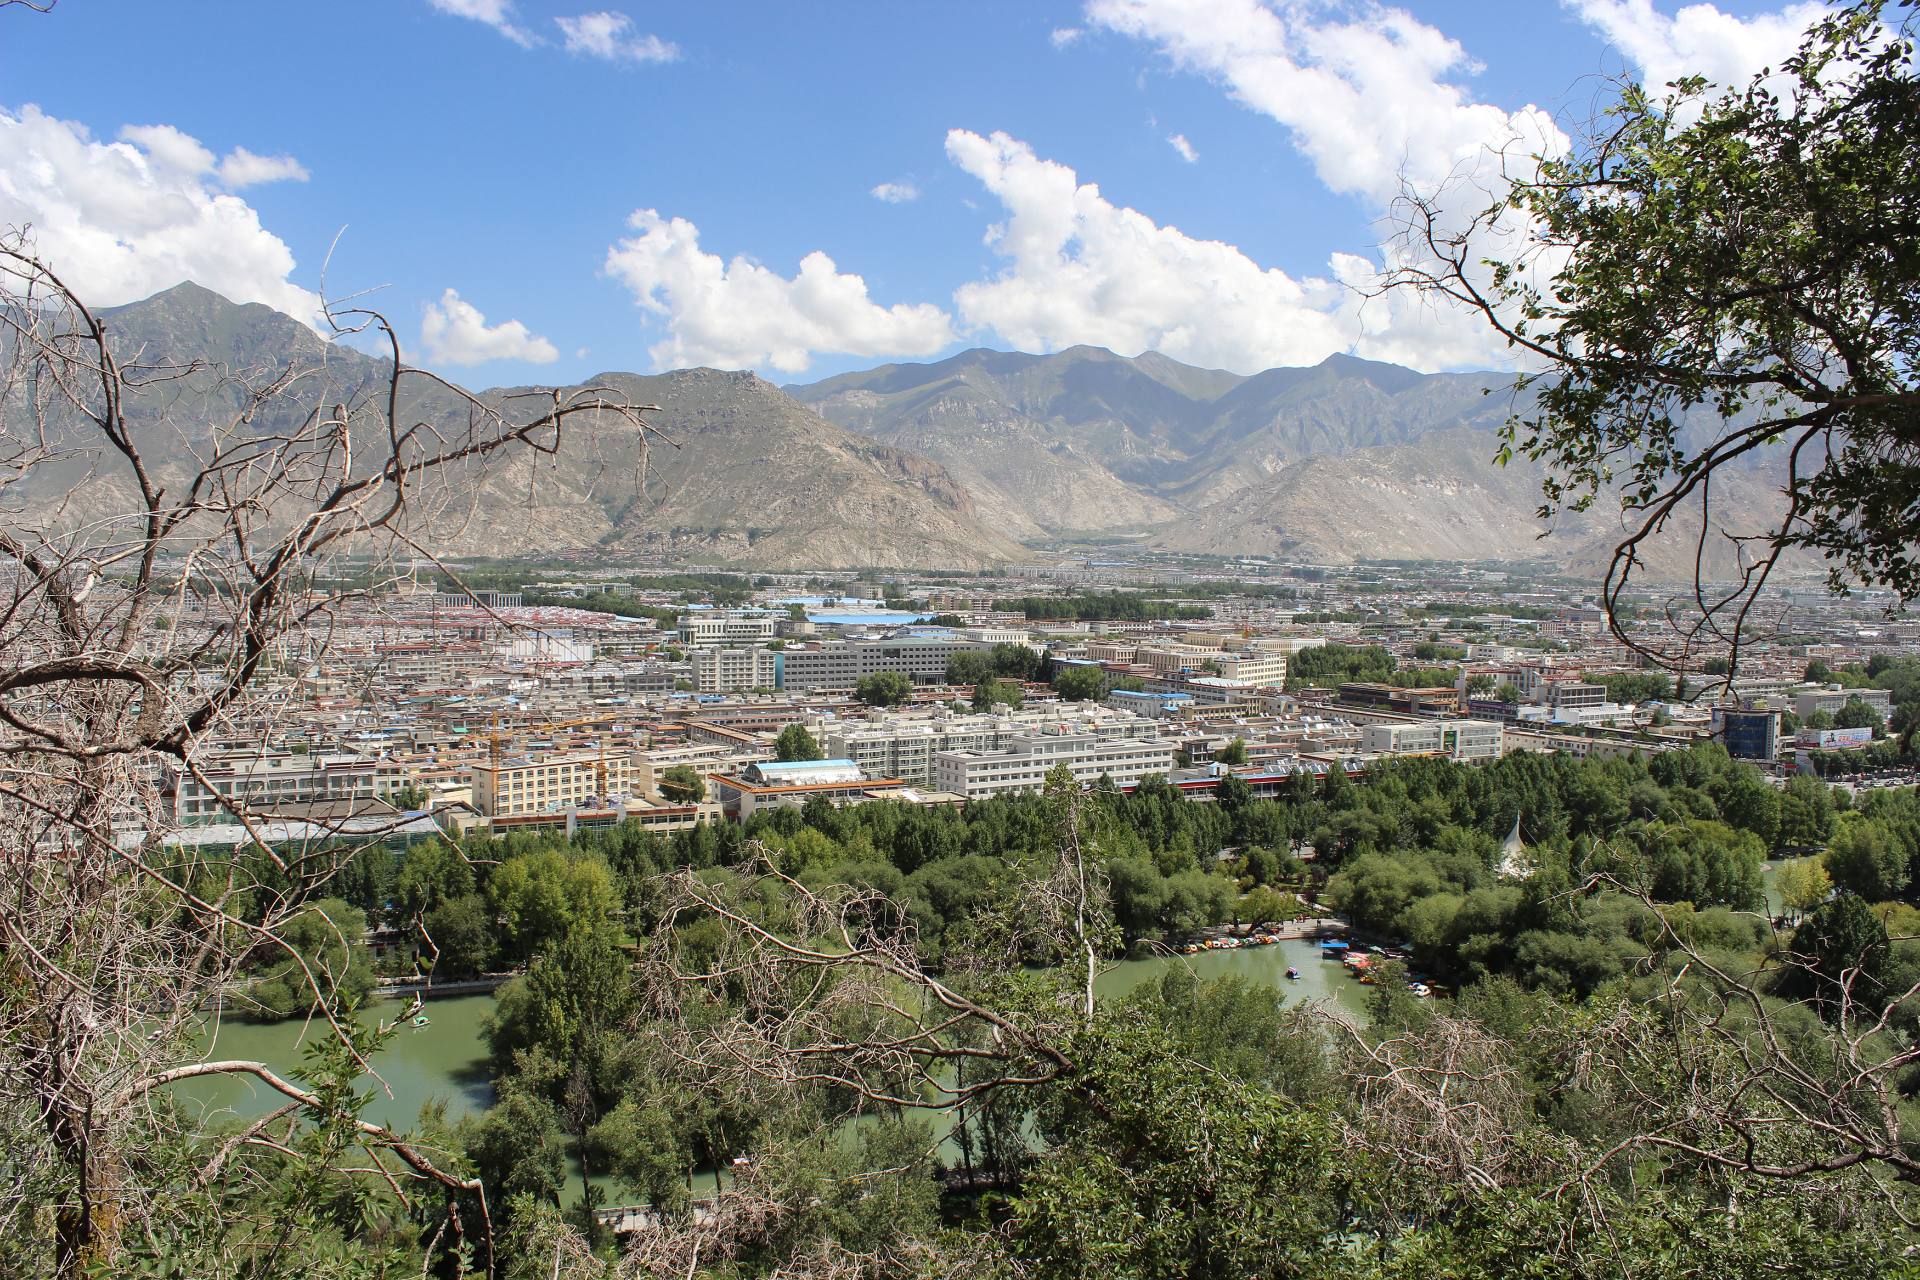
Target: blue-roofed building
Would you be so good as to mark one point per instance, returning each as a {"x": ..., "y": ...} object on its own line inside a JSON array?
[{"x": 1160, "y": 706}]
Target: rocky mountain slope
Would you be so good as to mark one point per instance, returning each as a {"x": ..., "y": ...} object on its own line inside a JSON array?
[
  {"x": 752, "y": 477},
  {"x": 949, "y": 464},
  {"x": 1086, "y": 441},
  {"x": 1346, "y": 460}
]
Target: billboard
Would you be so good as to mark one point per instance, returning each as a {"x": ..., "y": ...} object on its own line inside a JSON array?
[{"x": 1832, "y": 739}]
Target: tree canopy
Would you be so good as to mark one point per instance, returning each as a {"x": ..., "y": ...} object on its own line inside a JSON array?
[{"x": 1718, "y": 279}]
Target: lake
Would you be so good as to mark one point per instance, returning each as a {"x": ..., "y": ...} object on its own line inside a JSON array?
[{"x": 447, "y": 1060}]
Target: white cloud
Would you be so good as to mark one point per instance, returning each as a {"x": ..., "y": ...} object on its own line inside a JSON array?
[
  {"x": 1064, "y": 36},
  {"x": 242, "y": 168},
  {"x": 1081, "y": 269},
  {"x": 901, "y": 192},
  {"x": 1370, "y": 96},
  {"x": 168, "y": 150},
  {"x": 1178, "y": 142},
  {"x": 122, "y": 220},
  {"x": 1698, "y": 39},
  {"x": 1367, "y": 97},
  {"x": 497, "y": 14},
  {"x": 607, "y": 36},
  {"x": 739, "y": 314},
  {"x": 454, "y": 332}
]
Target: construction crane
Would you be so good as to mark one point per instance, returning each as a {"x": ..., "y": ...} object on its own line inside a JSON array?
[{"x": 496, "y": 736}]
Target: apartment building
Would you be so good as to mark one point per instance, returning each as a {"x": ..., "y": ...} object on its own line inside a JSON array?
[
  {"x": 791, "y": 784},
  {"x": 478, "y": 600},
  {"x": 265, "y": 779},
  {"x": 727, "y": 670},
  {"x": 842, "y": 664},
  {"x": 430, "y": 660},
  {"x": 548, "y": 783},
  {"x": 898, "y": 747},
  {"x": 1832, "y": 698},
  {"x": 728, "y": 626},
  {"x": 1456, "y": 739},
  {"x": 609, "y": 680},
  {"x": 1023, "y": 763},
  {"x": 1258, "y": 667}
]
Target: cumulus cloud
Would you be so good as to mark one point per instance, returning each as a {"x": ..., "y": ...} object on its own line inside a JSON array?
[
  {"x": 739, "y": 314},
  {"x": 1698, "y": 39},
  {"x": 454, "y": 332},
  {"x": 1064, "y": 36},
  {"x": 123, "y": 220},
  {"x": 1179, "y": 143},
  {"x": 1080, "y": 269},
  {"x": 1373, "y": 99},
  {"x": 610, "y": 37},
  {"x": 242, "y": 168},
  {"x": 1366, "y": 92},
  {"x": 497, "y": 14},
  {"x": 901, "y": 192}
]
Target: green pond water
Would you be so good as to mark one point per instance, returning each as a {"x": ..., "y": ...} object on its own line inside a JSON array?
[{"x": 446, "y": 1061}]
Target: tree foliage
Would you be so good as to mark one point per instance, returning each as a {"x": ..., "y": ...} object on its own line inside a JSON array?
[{"x": 1717, "y": 280}]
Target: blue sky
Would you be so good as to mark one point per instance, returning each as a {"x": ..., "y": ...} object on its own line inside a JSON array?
[{"x": 502, "y": 149}]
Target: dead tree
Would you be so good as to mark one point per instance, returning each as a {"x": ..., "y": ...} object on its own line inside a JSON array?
[{"x": 170, "y": 530}]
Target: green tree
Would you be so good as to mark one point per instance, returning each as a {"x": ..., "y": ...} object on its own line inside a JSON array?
[
  {"x": 1868, "y": 858},
  {"x": 545, "y": 896},
  {"x": 568, "y": 1000},
  {"x": 795, "y": 743},
  {"x": 989, "y": 692},
  {"x": 328, "y": 962},
  {"x": 1745, "y": 256},
  {"x": 1234, "y": 753},
  {"x": 1856, "y": 714},
  {"x": 1160, "y": 1168},
  {"x": 884, "y": 689},
  {"x": 682, "y": 784},
  {"x": 1839, "y": 958},
  {"x": 463, "y": 931},
  {"x": 1262, "y": 904},
  {"x": 641, "y": 1149},
  {"x": 517, "y": 1147},
  {"x": 1803, "y": 884},
  {"x": 1079, "y": 684}
]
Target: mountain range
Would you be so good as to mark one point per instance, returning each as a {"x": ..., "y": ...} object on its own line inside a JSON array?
[
  {"x": 948, "y": 464},
  {"x": 1345, "y": 460}
]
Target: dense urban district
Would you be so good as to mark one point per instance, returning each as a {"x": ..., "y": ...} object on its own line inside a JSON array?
[
  {"x": 1030, "y": 816},
  {"x": 1437, "y": 787}
]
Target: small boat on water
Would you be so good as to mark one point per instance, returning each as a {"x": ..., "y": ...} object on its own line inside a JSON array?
[
  {"x": 421, "y": 1020},
  {"x": 1293, "y": 975}
]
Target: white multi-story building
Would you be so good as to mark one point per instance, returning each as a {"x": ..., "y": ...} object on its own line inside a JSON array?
[
  {"x": 1832, "y": 698},
  {"x": 902, "y": 747},
  {"x": 719, "y": 670},
  {"x": 260, "y": 780},
  {"x": 728, "y": 626},
  {"x": 478, "y": 599},
  {"x": 548, "y": 783},
  {"x": 1023, "y": 763},
  {"x": 1268, "y": 669},
  {"x": 1456, "y": 739},
  {"x": 842, "y": 664}
]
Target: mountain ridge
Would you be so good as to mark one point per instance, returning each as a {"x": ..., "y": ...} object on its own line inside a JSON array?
[{"x": 950, "y": 463}]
